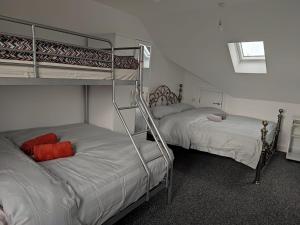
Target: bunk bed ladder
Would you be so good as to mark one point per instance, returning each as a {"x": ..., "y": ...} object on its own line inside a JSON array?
[
  {"x": 142, "y": 106},
  {"x": 163, "y": 147},
  {"x": 123, "y": 121}
]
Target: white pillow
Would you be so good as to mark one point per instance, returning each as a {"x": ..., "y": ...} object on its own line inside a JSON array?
[
  {"x": 180, "y": 107},
  {"x": 165, "y": 110},
  {"x": 214, "y": 111},
  {"x": 214, "y": 118}
]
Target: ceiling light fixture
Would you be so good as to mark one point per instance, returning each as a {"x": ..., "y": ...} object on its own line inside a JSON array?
[{"x": 220, "y": 5}]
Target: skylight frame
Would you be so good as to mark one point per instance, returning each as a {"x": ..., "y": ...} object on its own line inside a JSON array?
[
  {"x": 246, "y": 65},
  {"x": 244, "y": 58}
]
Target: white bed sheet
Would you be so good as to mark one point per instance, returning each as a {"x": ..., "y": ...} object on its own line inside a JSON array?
[
  {"x": 236, "y": 137},
  {"x": 105, "y": 173}
]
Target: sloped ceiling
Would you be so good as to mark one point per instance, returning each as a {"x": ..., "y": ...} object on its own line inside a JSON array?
[{"x": 187, "y": 33}]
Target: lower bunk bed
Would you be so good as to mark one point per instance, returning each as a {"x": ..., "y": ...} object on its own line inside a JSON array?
[
  {"x": 101, "y": 183},
  {"x": 249, "y": 141}
]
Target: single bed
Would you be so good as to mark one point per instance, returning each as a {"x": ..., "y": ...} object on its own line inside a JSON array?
[
  {"x": 61, "y": 60},
  {"x": 247, "y": 140},
  {"x": 103, "y": 178}
]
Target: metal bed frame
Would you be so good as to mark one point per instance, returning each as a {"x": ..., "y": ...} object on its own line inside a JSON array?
[
  {"x": 166, "y": 183},
  {"x": 162, "y": 95}
]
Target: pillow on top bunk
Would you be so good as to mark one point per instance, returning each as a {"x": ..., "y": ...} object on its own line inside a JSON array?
[
  {"x": 165, "y": 110},
  {"x": 28, "y": 146}
]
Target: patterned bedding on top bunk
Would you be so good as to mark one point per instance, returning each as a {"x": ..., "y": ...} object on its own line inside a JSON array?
[{"x": 20, "y": 48}]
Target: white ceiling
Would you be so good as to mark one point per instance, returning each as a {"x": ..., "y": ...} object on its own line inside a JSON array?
[{"x": 187, "y": 33}]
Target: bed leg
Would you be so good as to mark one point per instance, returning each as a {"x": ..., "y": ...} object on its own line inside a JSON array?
[
  {"x": 258, "y": 169},
  {"x": 257, "y": 175},
  {"x": 261, "y": 162},
  {"x": 170, "y": 186}
]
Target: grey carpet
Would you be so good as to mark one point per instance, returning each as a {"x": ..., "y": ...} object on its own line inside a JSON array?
[{"x": 213, "y": 190}]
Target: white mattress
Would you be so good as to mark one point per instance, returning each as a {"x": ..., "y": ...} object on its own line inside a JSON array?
[
  {"x": 105, "y": 173},
  {"x": 69, "y": 72}
]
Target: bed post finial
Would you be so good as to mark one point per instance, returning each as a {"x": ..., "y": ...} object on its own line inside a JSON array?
[
  {"x": 278, "y": 127},
  {"x": 280, "y": 115},
  {"x": 264, "y": 132},
  {"x": 180, "y": 93}
]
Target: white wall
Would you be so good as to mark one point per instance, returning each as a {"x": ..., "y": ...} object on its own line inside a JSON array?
[
  {"x": 38, "y": 106},
  {"x": 84, "y": 16},
  {"x": 164, "y": 71},
  {"x": 102, "y": 112},
  {"x": 101, "y": 106},
  {"x": 200, "y": 93}
]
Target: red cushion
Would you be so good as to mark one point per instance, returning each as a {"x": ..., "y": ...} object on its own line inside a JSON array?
[
  {"x": 52, "y": 151},
  {"x": 27, "y": 146}
]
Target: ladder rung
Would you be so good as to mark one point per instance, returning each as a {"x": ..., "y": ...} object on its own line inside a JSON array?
[
  {"x": 140, "y": 132},
  {"x": 128, "y": 107}
]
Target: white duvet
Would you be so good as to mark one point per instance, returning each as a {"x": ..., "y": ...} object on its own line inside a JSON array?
[
  {"x": 236, "y": 137},
  {"x": 104, "y": 177}
]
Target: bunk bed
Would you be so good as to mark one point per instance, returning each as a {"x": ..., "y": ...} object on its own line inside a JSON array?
[
  {"x": 238, "y": 137},
  {"x": 111, "y": 174}
]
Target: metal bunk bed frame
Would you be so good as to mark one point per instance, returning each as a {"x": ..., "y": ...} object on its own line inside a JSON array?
[{"x": 140, "y": 104}]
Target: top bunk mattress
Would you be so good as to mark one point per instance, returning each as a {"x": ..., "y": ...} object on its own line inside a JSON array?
[
  {"x": 60, "y": 60},
  {"x": 105, "y": 172}
]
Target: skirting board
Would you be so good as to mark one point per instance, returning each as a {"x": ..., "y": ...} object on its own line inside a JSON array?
[{"x": 282, "y": 148}]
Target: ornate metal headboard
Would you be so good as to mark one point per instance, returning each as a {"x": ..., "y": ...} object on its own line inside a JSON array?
[{"x": 164, "y": 96}]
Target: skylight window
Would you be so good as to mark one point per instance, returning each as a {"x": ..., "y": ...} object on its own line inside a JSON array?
[
  {"x": 251, "y": 50},
  {"x": 248, "y": 57},
  {"x": 147, "y": 56}
]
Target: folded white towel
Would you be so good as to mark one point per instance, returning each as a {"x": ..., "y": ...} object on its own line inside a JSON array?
[{"x": 214, "y": 118}]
